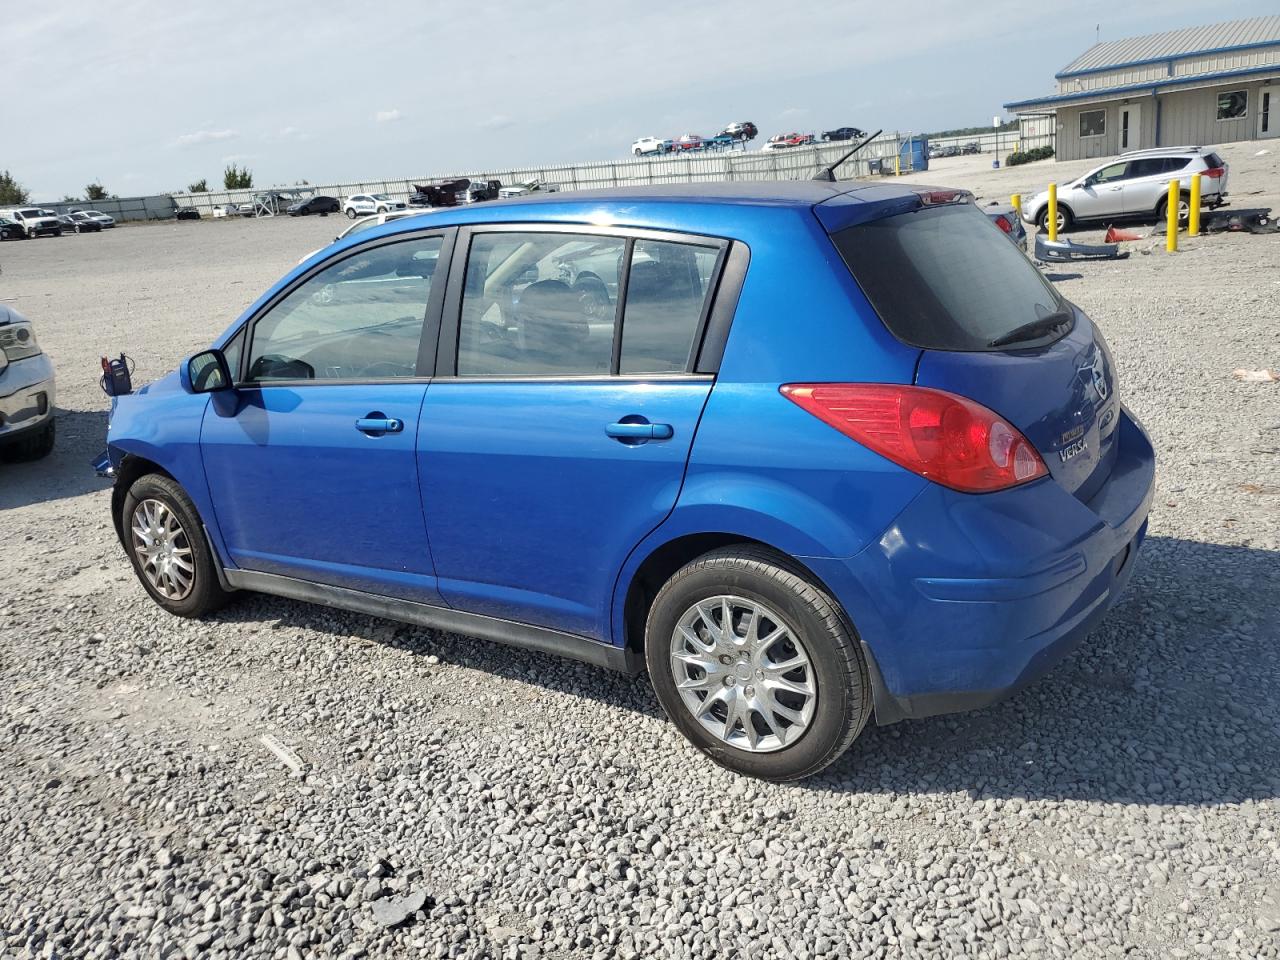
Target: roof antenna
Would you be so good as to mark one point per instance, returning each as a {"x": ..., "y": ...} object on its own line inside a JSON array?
[
  {"x": 1097, "y": 33},
  {"x": 828, "y": 173}
]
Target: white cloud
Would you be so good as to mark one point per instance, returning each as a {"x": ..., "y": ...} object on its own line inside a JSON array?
[
  {"x": 386, "y": 116},
  {"x": 499, "y": 121},
  {"x": 205, "y": 136}
]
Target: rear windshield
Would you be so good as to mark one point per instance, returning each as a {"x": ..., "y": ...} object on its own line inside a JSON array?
[
  {"x": 1213, "y": 160},
  {"x": 946, "y": 278}
]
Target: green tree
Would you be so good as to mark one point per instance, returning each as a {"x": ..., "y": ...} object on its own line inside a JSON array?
[
  {"x": 236, "y": 178},
  {"x": 11, "y": 191},
  {"x": 68, "y": 198},
  {"x": 95, "y": 191},
  {"x": 200, "y": 186}
]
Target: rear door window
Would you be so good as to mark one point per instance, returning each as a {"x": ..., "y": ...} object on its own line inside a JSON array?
[
  {"x": 941, "y": 279},
  {"x": 667, "y": 292}
]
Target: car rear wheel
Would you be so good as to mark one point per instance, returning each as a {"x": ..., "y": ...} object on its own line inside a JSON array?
[
  {"x": 351, "y": 214},
  {"x": 756, "y": 664},
  {"x": 166, "y": 545}
]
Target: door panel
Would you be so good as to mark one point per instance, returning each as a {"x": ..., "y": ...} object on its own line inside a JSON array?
[
  {"x": 532, "y": 505},
  {"x": 1130, "y": 127},
  {"x": 1268, "y": 122},
  {"x": 300, "y": 491}
]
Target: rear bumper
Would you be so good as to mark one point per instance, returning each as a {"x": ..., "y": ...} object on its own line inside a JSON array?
[
  {"x": 967, "y": 599},
  {"x": 26, "y": 397}
]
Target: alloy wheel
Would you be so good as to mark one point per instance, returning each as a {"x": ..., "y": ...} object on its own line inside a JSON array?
[
  {"x": 743, "y": 673},
  {"x": 163, "y": 549}
]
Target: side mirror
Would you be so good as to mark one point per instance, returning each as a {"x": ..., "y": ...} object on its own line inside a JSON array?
[{"x": 206, "y": 372}]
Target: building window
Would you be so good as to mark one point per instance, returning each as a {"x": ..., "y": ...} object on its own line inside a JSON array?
[
  {"x": 1093, "y": 123},
  {"x": 1233, "y": 105}
]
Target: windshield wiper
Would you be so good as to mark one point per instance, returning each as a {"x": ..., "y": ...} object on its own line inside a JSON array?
[{"x": 1036, "y": 328}]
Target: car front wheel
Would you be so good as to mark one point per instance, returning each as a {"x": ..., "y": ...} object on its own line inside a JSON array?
[
  {"x": 167, "y": 547},
  {"x": 756, "y": 664}
]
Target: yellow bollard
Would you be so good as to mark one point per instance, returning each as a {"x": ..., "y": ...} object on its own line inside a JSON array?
[
  {"x": 1193, "y": 215},
  {"x": 1052, "y": 219},
  {"x": 897, "y": 166},
  {"x": 1171, "y": 244}
]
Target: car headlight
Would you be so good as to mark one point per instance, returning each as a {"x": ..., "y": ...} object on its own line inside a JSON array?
[{"x": 18, "y": 341}]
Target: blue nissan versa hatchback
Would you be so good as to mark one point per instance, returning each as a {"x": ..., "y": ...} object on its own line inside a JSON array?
[{"x": 806, "y": 451}]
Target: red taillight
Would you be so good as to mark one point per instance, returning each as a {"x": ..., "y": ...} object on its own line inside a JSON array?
[
  {"x": 941, "y": 436},
  {"x": 1213, "y": 173},
  {"x": 1003, "y": 223}
]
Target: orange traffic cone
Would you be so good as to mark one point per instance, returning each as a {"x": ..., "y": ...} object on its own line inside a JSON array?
[{"x": 1115, "y": 236}]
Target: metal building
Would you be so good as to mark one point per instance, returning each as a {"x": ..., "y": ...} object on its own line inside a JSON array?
[{"x": 1202, "y": 85}]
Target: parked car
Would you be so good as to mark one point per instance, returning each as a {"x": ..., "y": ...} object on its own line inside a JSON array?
[
  {"x": 887, "y": 543},
  {"x": 317, "y": 204},
  {"x": 12, "y": 230},
  {"x": 35, "y": 222},
  {"x": 234, "y": 210},
  {"x": 447, "y": 193},
  {"x": 648, "y": 145},
  {"x": 971, "y": 147},
  {"x": 777, "y": 143},
  {"x": 1134, "y": 186},
  {"x": 1006, "y": 219},
  {"x": 742, "y": 130},
  {"x": 366, "y": 203},
  {"x": 477, "y": 191},
  {"x": 102, "y": 218},
  {"x": 844, "y": 133},
  {"x": 524, "y": 189},
  {"x": 26, "y": 390},
  {"x": 79, "y": 223},
  {"x": 689, "y": 141},
  {"x": 186, "y": 213}
]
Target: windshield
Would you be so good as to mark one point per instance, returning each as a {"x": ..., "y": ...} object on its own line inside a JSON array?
[
  {"x": 945, "y": 278},
  {"x": 381, "y": 196},
  {"x": 31, "y": 213}
]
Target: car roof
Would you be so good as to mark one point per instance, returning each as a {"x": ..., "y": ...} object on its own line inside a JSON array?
[
  {"x": 1163, "y": 151},
  {"x": 746, "y": 192}
]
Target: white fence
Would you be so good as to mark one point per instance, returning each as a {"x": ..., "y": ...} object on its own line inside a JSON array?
[{"x": 795, "y": 163}]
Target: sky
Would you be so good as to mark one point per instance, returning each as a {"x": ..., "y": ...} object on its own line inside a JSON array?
[{"x": 148, "y": 97}]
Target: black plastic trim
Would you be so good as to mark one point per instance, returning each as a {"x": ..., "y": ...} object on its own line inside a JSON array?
[
  {"x": 715, "y": 334},
  {"x": 509, "y": 632}
]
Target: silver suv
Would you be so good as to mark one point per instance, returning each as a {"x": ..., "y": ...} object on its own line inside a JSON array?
[
  {"x": 26, "y": 390},
  {"x": 1134, "y": 186}
]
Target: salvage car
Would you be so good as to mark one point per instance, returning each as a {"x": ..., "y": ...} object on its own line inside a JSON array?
[
  {"x": 317, "y": 204},
  {"x": 35, "y": 222},
  {"x": 843, "y": 133},
  {"x": 27, "y": 426},
  {"x": 363, "y": 204},
  {"x": 12, "y": 230},
  {"x": 98, "y": 216},
  {"x": 647, "y": 145},
  {"x": 79, "y": 223},
  {"x": 911, "y": 498},
  {"x": 1134, "y": 186}
]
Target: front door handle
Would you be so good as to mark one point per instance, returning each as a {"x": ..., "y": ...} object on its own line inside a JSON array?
[
  {"x": 640, "y": 431},
  {"x": 379, "y": 425}
]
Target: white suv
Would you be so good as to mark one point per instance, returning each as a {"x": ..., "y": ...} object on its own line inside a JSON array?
[
  {"x": 363, "y": 204},
  {"x": 650, "y": 145},
  {"x": 1134, "y": 186},
  {"x": 35, "y": 221}
]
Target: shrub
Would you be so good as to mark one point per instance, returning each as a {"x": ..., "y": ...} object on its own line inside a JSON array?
[{"x": 1019, "y": 157}]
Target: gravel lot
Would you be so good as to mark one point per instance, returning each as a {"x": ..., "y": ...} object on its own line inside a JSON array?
[{"x": 461, "y": 799}]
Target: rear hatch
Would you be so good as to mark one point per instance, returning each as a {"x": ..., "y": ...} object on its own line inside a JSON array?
[
  {"x": 1216, "y": 171},
  {"x": 991, "y": 328}
]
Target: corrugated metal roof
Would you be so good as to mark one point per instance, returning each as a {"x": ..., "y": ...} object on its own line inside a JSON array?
[{"x": 1175, "y": 43}]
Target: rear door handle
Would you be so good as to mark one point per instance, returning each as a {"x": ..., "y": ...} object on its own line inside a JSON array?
[
  {"x": 379, "y": 425},
  {"x": 640, "y": 431}
]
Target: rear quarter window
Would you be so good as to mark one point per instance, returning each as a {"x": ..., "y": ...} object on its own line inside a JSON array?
[{"x": 945, "y": 278}]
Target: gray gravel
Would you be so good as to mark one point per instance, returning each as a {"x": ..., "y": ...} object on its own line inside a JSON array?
[{"x": 459, "y": 799}]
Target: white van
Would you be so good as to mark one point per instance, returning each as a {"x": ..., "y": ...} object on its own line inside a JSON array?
[{"x": 34, "y": 220}]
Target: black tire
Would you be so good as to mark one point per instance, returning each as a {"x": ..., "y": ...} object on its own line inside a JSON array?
[
  {"x": 1184, "y": 210},
  {"x": 1065, "y": 219},
  {"x": 37, "y": 446},
  {"x": 205, "y": 594},
  {"x": 843, "y": 685}
]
